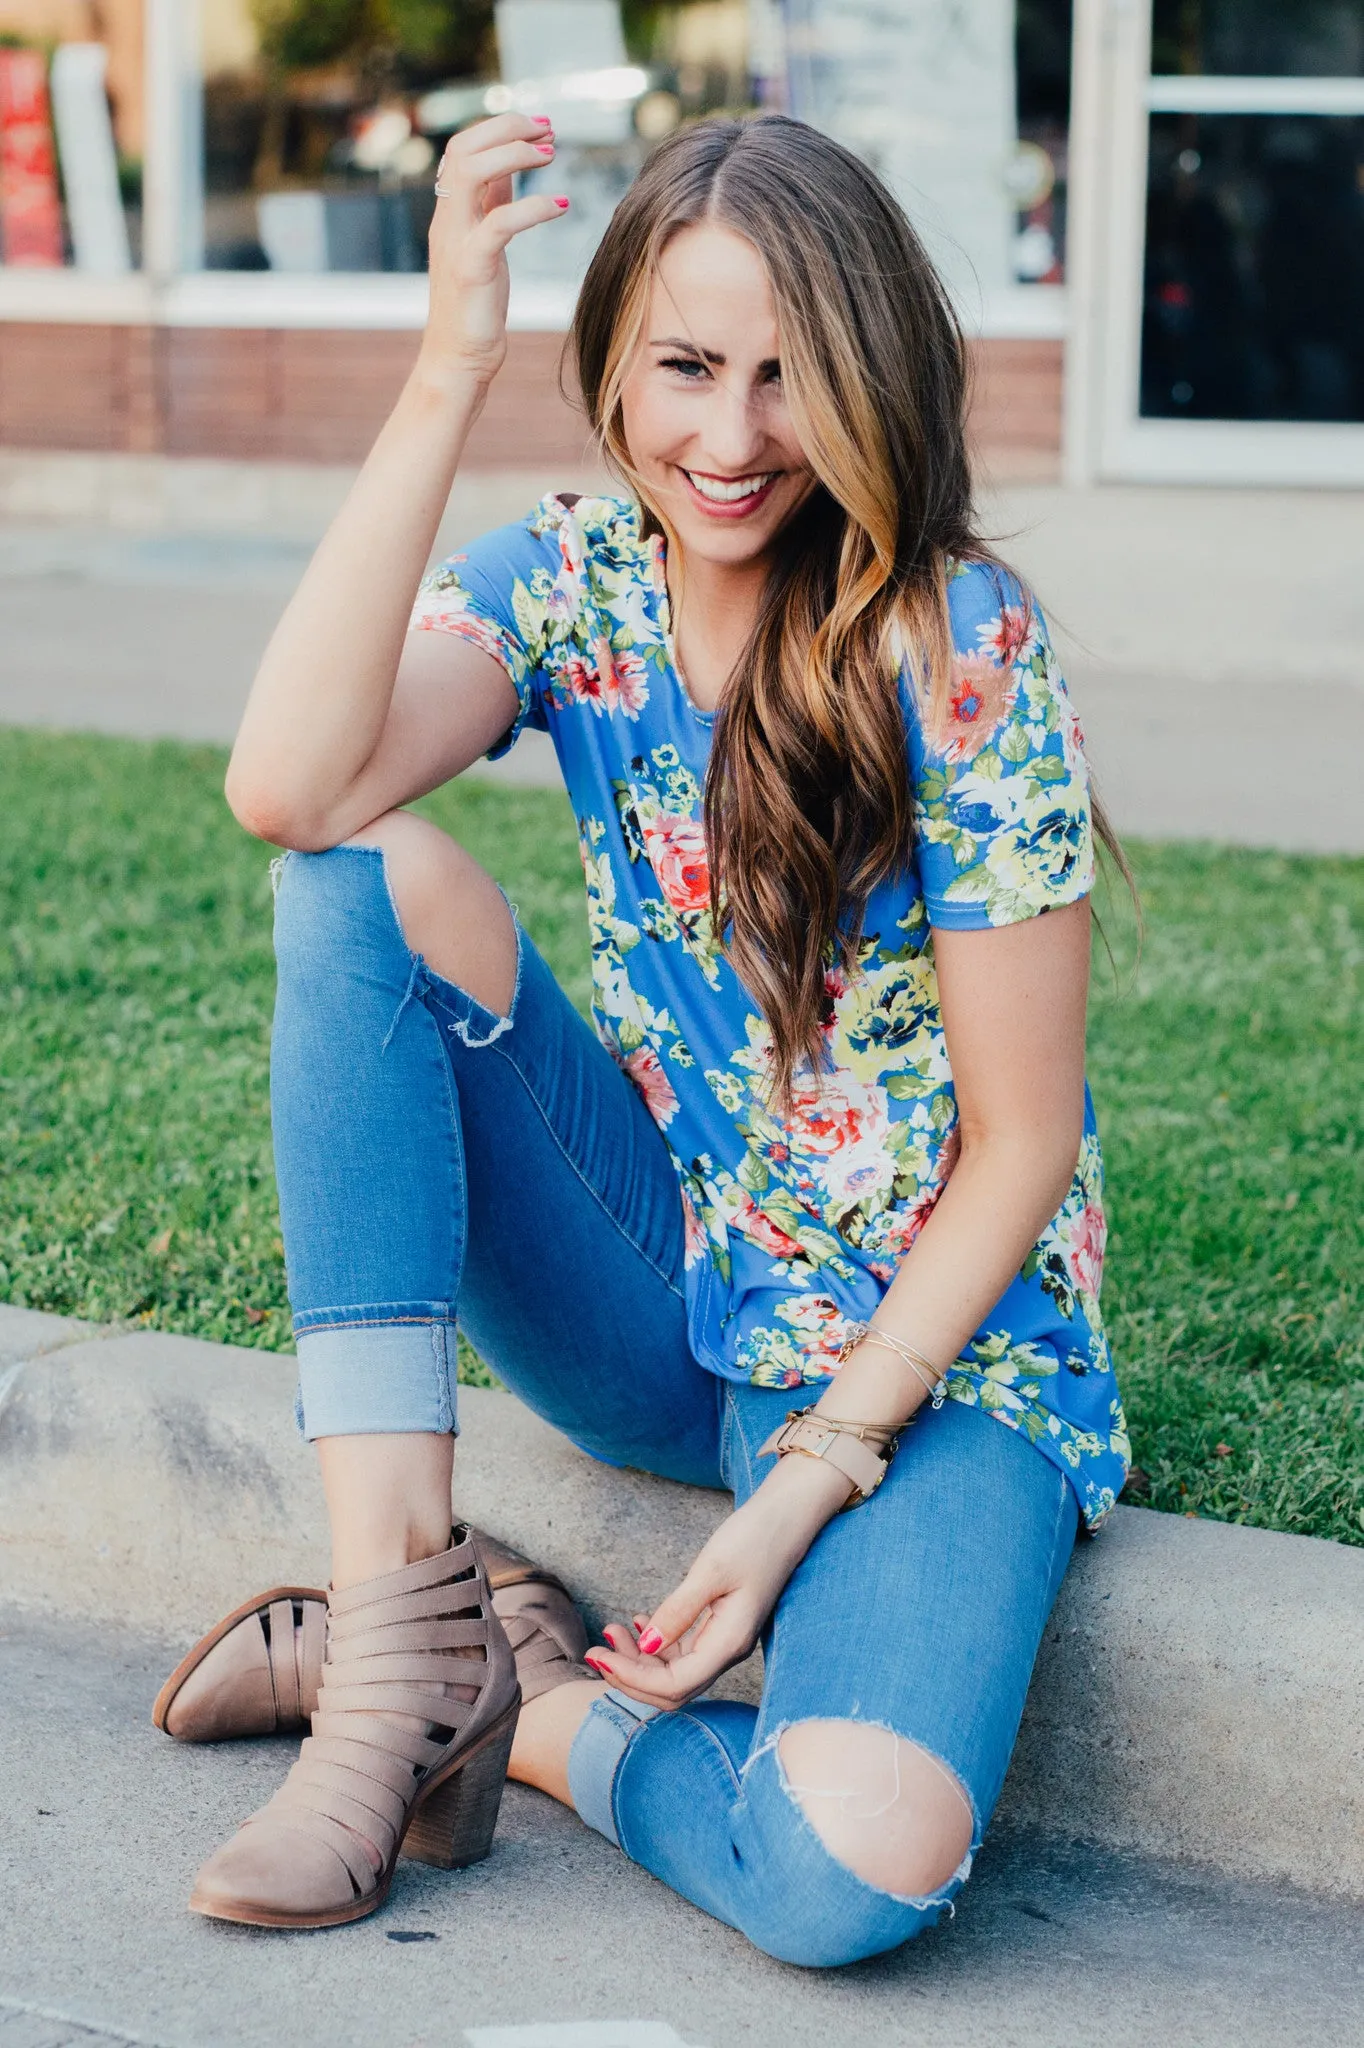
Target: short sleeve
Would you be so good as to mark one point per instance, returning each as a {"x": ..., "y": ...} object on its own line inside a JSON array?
[
  {"x": 1000, "y": 777},
  {"x": 493, "y": 594}
]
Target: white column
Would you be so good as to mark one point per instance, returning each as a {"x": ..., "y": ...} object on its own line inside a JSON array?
[
  {"x": 924, "y": 90},
  {"x": 173, "y": 168}
]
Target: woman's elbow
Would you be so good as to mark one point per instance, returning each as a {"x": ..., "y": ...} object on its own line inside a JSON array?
[
  {"x": 268, "y": 813},
  {"x": 1039, "y": 1162}
]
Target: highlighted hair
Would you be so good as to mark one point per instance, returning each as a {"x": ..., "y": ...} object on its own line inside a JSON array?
[{"x": 807, "y": 803}]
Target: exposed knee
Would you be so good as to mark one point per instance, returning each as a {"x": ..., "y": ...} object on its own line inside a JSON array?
[
  {"x": 450, "y": 909},
  {"x": 884, "y": 1808}
]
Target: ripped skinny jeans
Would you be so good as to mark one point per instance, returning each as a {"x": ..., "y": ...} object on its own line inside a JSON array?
[{"x": 440, "y": 1166}]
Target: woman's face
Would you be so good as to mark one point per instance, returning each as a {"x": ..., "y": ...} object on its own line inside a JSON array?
[{"x": 703, "y": 409}]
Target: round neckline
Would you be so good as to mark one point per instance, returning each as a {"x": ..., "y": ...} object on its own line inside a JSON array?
[{"x": 658, "y": 554}]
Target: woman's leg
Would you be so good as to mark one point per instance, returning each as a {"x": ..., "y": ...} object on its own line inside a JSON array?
[
  {"x": 452, "y": 1139},
  {"x": 840, "y": 1818}
]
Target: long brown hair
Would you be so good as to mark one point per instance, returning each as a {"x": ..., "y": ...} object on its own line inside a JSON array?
[{"x": 808, "y": 804}]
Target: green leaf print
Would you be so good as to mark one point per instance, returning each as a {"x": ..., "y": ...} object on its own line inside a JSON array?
[
  {"x": 753, "y": 1174},
  {"x": 529, "y": 616}
]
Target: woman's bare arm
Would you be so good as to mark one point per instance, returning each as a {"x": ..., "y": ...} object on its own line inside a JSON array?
[
  {"x": 1013, "y": 1004},
  {"x": 332, "y": 734}
]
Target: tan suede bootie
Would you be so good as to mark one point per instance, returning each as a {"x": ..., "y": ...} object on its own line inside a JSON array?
[
  {"x": 415, "y": 1716},
  {"x": 257, "y": 1671}
]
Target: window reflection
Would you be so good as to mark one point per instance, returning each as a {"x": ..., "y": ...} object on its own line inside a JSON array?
[
  {"x": 324, "y": 119},
  {"x": 1258, "y": 38},
  {"x": 1254, "y": 289}
]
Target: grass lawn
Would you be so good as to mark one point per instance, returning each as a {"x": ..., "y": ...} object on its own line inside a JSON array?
[{"x": 135, "y": 989}]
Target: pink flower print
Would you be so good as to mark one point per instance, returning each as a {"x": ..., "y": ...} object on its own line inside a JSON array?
[
  {"x": 676, "y": 846},
  {"x": 646, "y": 1071},
  {"x": 632, "y": 687},
  {"x": 820, "y": 1323},
  {"x": 982, "y": 694},
  {"x": 757, "y": 1226},
  {"x": 1009, "y": 637},
  {"x": 1086, "y": 1239},
  {"x": 583, "y": 683},
  {"x": 841, "y": 1128}
]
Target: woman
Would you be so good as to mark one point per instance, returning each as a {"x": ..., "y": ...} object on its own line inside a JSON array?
[{"x": 831, "y": 1146}]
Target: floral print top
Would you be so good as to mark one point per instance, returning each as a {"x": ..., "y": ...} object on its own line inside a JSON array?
[{"x": 795, "y": 1224}]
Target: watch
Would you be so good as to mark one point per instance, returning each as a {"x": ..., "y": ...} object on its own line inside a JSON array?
[{"x": 843, "y": 1446}]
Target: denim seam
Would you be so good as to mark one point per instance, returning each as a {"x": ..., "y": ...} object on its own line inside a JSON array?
[
  {"x": 712, "y": 1738},
  {"x": 1062, "y": 1499},
  {"x": 573, "y": 1165},
  {"x": 727, "y": 1438},
  {"x": 453, "y": 1132},
  {"x": 749, "y": 1473},
  {"x": 374, "y": 1323}
]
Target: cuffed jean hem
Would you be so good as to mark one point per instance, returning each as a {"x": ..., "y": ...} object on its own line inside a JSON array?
[
  {"x": 595, "y": 1757},
  {"x": 377, "y": 1378}
]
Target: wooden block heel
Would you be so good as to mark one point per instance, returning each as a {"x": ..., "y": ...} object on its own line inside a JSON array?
[{"x": 453, "y": 1825}]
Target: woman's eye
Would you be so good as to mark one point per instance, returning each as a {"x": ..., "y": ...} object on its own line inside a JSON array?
[{"x": 686, "y": 366}]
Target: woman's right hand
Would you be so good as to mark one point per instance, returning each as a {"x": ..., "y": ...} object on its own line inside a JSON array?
[{"x": 466, "y": 328}]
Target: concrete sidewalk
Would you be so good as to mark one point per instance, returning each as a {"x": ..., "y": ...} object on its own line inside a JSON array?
[
  {"x": 1192, "y": 1741},
  {"x": 556, "y": 1941},
  {"x": 1197, "y": 1693},
  {"x": 1214, "y": 639}
]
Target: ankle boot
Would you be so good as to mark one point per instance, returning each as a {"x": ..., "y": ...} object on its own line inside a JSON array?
[
  {"x": 257, "y": 1671},
  {"x": 415, "y": 1716}
]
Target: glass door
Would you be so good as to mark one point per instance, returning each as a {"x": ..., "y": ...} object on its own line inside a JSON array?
[{"x": 1234, "y": 345}]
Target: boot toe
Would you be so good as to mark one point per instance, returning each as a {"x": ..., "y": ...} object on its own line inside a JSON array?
[
  {"x": 274, "y": 1873},
  {"x": 229, "y": 1692}
]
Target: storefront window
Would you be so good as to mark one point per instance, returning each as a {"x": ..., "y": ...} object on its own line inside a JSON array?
[
  {"x": 1258, "y": 38},
  {"x": 1038, "y": 171},
  {"x": 1254, "y": 300},
  {"x": 71, "y": 135},
  {"x": 324, "y": 119}
]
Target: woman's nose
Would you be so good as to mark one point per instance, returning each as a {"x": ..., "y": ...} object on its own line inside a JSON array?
[{"x": 732, "y": 436}]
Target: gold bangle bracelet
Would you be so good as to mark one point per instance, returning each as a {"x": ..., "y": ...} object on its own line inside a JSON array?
[{"x": 933, "y": 1382}]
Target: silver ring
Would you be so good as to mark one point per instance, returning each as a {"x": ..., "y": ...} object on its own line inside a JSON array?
[{"x": 443, "y": 191}]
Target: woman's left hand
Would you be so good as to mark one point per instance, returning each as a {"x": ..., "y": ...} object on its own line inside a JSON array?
[{"x": 715, "y": 1616}]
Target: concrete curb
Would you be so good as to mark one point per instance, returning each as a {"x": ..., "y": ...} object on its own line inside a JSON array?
[{"x": 1198, "y": 1694}]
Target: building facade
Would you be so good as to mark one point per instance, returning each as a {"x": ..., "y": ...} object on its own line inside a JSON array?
[{"x": 1150, "y": 212}]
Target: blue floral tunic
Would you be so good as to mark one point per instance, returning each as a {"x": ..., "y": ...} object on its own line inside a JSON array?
[{"x": 795, "y": 1225}]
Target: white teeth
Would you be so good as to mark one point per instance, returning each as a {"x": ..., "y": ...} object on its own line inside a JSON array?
[{"x": 729, "y": 493}]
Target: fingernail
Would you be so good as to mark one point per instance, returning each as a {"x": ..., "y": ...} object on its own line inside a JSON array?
[
  {"x": 596, "y": 1666},
  {"x": 562, "y": 205},
  {"x": 651, "y": 1642},
  {"x": 543, "y": 148},
  {"x": 542, "y": 120}
]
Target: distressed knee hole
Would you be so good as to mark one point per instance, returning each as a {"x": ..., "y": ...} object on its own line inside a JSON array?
[
  {"x": 449, "y": 909},
  {"x": 885, "y": 1808}
]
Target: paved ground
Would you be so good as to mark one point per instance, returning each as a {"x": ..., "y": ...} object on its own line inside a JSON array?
[
  {"x": 105, "y": 1822},
  {"x": 1215, "y": 641}
]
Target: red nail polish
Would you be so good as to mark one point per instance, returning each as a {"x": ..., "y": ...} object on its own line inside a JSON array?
[
  {"x": 542, "y": 120},
  {"x": 544, "y": 148},
  {"x": 562, "y": 205},
  {"x": 597, "y": 1667},
  {"x": 651, "y": 1642}
]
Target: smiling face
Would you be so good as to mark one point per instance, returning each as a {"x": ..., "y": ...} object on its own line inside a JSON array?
[{"x": 702, "y": 406}]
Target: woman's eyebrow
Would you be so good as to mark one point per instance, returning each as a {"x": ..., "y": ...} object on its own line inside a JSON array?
[{"x": 707, "y": 355}]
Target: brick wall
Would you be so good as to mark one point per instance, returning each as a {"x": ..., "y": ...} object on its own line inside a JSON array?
[{"x": 301, "y": 395}]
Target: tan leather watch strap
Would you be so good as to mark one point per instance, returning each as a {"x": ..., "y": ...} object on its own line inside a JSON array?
[{"x": 859, "y": 1462}]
